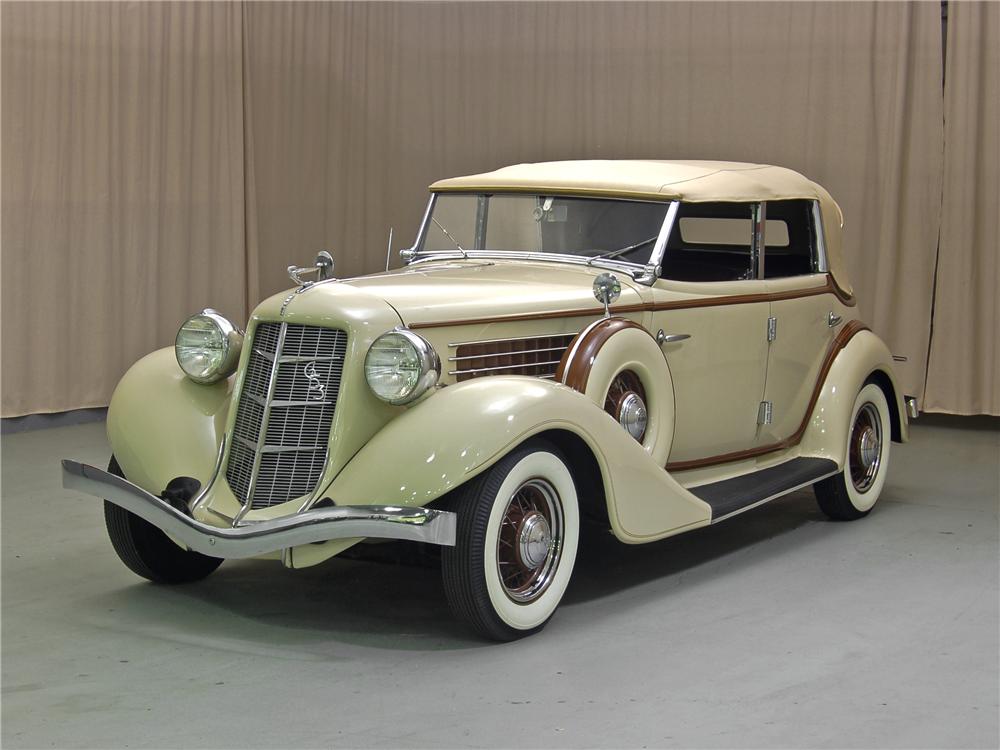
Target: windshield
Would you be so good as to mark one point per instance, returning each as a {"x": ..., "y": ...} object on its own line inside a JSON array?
[{"x": 588, "y": 227}]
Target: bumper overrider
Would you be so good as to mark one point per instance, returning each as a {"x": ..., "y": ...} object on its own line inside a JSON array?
[{"x": 260, "y": 537}]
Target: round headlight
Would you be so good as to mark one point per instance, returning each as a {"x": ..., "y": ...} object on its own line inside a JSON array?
[
  {"x": 401, "y": 366},
  {"x": 208, "y": 347}
]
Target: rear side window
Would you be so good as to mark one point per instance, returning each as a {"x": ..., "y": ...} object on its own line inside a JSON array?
[
  {"x": 713, "y": 242},
  {"x": 710, "y": 242},
  {"x": 789, "y": 239}
]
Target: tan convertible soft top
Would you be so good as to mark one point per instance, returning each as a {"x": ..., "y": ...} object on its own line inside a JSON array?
[{"x": 692, "y": 181}]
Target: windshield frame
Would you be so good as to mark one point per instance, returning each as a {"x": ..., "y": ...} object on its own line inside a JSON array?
[{"x": 644, "y": 273}]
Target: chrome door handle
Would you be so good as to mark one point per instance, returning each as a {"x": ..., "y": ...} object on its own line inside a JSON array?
[
  {"x": 833, "y": 319},
  {"x": 670, "y": 338}
]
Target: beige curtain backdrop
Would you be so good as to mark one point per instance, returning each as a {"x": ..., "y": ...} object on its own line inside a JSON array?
[
  {"x": 122, "y": 185},
  {"x": 126, "y": 128},
  {"x": 353, "y": 108},
  {"x": 963, "y": 374}
]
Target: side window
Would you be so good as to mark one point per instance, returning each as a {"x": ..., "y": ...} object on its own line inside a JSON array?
[
  {"x": 710, "y": 242},
  {"x": 789, "y": 239}
]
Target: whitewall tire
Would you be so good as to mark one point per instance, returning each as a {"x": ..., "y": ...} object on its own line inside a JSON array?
[
  {"x": 853, "y": 492},
  {"x": 518, "y": 531}
]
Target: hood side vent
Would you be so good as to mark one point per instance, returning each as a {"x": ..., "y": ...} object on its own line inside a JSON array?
[{"x": 536, "y": 356}]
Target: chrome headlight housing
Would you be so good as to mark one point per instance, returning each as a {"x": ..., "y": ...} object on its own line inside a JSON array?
[
  {"x": 208, "y": 347},
  {"x": 400, "y": 366}
]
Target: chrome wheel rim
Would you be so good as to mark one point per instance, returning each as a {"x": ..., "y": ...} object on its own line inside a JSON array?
[
  {"x": 529, "y": 544},
  {"x": 866, "y": 447}
]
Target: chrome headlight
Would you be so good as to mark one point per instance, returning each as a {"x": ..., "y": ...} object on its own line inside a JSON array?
[
  {"x": 208, "y": 347},
  {"x": 401, "y": 366}
]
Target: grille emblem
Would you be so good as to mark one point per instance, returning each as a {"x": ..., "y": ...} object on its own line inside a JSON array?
[{"x": 317, "y": 390}]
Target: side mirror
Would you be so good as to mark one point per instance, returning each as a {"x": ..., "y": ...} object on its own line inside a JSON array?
[
  {"x": 324, "y": 262},
  {"x": 607, "y": 289}
]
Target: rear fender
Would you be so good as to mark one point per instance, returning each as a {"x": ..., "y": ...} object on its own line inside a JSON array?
[
  {"x": 864, "y": 357},
  {"x": 462, "y": 430}
]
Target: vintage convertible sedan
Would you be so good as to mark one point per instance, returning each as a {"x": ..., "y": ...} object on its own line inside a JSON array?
[{"x": 652, "y": 345}]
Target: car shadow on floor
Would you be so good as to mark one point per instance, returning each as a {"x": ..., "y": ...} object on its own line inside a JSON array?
[
  {"x": 606, "y": 566},
  {"x": 259, "y": 604}
]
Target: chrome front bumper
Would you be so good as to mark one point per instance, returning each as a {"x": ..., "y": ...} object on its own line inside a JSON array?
[{"x": 260, "y": 537}]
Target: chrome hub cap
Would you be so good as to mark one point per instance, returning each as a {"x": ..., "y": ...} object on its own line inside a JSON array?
[
  {"x": 529, "y": 543},
  {"x": 626, "y": 402},
  {"x": 534, "y": 540},
  {"x": 633, "y": 415},
  {"x": 865, "y": 448}
]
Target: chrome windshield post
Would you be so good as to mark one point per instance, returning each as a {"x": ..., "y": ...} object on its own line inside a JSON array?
[
  {"x": 652, "y": 271},
  {"x": 409, "y": 254}
]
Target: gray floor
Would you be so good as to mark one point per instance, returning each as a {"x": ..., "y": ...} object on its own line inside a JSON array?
[{"x": 776, "y": 629}]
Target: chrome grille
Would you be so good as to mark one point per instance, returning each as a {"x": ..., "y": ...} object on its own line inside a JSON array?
[
  {"x": 284, "y": 413},
  {"x": 535, "y": 355}
]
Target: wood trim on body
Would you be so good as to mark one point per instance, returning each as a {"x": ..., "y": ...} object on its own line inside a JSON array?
[
  {"x": 830, "y": 287},
  {"x": 839, "y": 342},
  {"x": 574, "y": 368}
]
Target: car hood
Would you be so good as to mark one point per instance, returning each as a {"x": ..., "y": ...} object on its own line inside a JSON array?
[{"x": 469, "y": 290}]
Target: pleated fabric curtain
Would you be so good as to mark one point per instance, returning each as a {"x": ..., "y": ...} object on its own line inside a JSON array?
[
  {"x": 162, "y": 157},
  {"x": 963, "y": 373},
  {"x": 122, "y": 188},
  {"x": 353, "y": 108}
]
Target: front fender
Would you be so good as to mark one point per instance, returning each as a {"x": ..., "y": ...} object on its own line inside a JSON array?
[
  {"x": 462, "y": 430},
  {"x": 864, "y": 356},
  {"x": 161, "y": 425}
]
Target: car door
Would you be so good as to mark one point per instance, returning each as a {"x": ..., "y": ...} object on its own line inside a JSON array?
[
  {"x": 709, "y": 300},
  {"x": 804, "y": 316}
]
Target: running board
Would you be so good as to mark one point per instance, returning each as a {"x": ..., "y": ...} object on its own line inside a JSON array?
[{"x": 732, "y": 496}]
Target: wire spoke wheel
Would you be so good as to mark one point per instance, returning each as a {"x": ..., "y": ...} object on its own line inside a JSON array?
[
  {"x": 530, "y": 540},
  {"x": 851, "y": 493},
  {"x": 865, "y": 447},
  {"x": 518, "y": 532}
]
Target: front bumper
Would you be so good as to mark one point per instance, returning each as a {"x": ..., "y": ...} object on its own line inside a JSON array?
[{"x": 260, "y": 537}]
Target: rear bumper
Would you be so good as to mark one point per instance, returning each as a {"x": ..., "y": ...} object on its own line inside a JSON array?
[{"x": 257, "y": 538}]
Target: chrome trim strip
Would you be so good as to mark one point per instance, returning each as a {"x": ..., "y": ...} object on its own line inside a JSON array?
[
  {"x": 278, "y": 402},
  {"x": 292, "y": 358},
  {"x": 512, "y": 338},
  {"x": 503, "y": 367},
  {"x": 290, "y": 448},
  {"x": 776, "y": 496},
  {"x": 821, "y": 264},
  {"x": 509, "y": 354},
  {"x": 635, "y": 270},
  {"x": 319, "y": 525}
]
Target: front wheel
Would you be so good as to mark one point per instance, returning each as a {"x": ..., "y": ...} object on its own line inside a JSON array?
[
  {"x": 147, "y": 551},
  {"x": 518, "y": 529},
  {"x": 852, "y": 493}
]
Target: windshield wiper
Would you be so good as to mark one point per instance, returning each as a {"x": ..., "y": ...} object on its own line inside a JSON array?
[
  {"x": 448, "y": 235},
  {"x": 622, "y": 250}
]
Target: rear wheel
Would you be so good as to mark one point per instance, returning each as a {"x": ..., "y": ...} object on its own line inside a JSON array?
[
  {"x": 852, "y": 493},
  {"x": 147, "y": 551},
  {"x": 518, "y": 529}
]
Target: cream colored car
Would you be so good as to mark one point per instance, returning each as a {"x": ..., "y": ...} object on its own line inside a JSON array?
[{"x": 652, "y": 345}]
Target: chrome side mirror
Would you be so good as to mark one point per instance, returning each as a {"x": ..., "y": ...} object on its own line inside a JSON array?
[
  {"x": 323, "y": 268},
  {"x": 324, "y": 264},
  {"x": 607, "y": 289}
]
